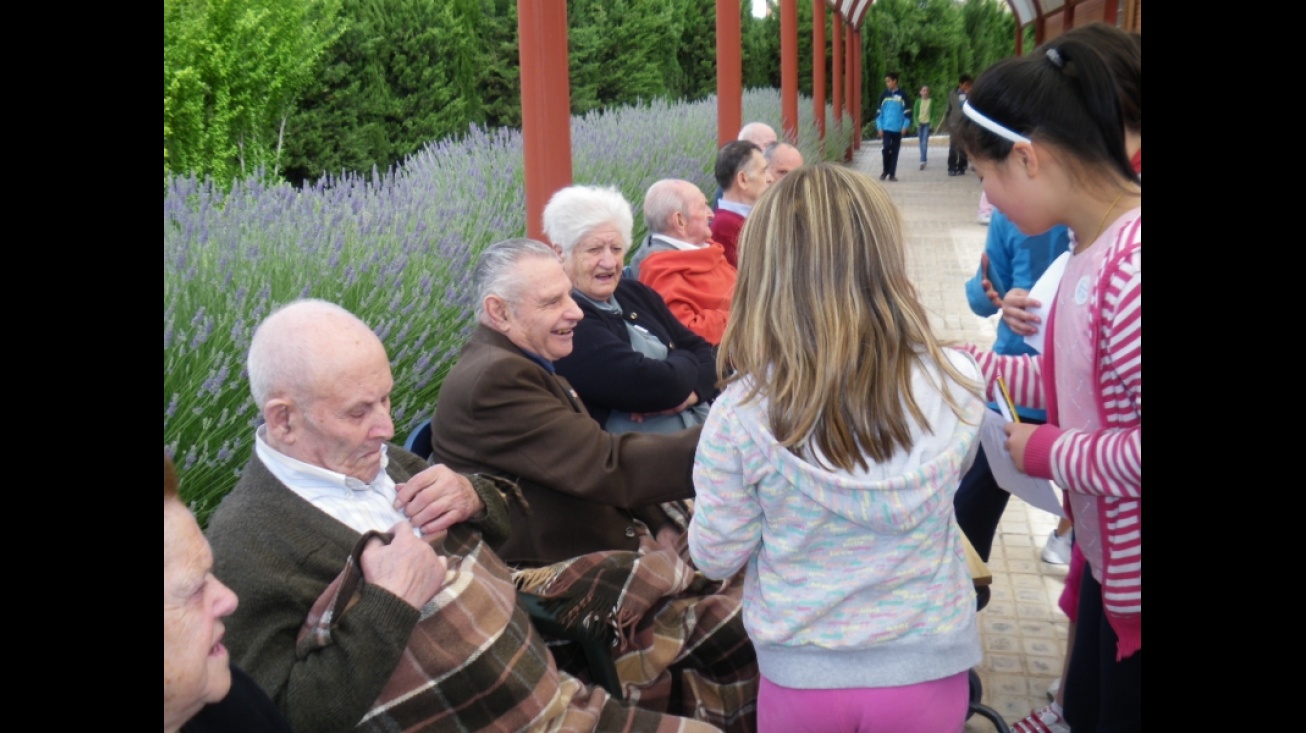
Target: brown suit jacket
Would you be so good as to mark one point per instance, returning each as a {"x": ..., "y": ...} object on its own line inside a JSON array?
[{"x": 501, "y": 413}]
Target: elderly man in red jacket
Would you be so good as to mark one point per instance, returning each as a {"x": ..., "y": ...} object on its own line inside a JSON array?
[{"x": 681, "y": 262}]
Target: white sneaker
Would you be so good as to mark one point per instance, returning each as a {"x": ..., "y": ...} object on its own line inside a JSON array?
[
  {"x": 1047, "y": 720},
  {"x": 1052, "y": 689},
  {"x": 984, "y": 219},
  {"x": 1057, "y": 549}
]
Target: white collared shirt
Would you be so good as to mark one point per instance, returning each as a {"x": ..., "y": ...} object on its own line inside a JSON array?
[
  {"x": 357, "y": 505},
  {"x": 678, "y": 244},
  {"x": 735, "y": 206}
]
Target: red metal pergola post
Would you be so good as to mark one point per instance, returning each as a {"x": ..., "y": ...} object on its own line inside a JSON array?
[
  {"x": 857, "y": 89},
  {"x": 789, "y": 69},
  {"x": 836, "y": 69},
  {"x": 1111, "y": 13},
  {"x": 545, "y": 105},
  {"x": 729, "y": 71},
  {"x": 818, "y": 69},
  {"x": 848, "y": 74}
]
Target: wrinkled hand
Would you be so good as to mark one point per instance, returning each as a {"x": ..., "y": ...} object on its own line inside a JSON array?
[
  {"x": 1018, "y": 434},
  {"x": 407, "y": 567},
  {"x": 438, "y": 498},
  {"x": 1015, "y": 312},
  {"x": 670, "y": 537},
  {"x": 689, "y": 402},
  {"x": 989, "y": 291}
]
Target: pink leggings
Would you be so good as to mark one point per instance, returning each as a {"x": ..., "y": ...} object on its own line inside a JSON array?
[{"x": 937, "y": 706}]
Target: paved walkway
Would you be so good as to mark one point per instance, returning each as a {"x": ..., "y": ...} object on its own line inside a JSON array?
[{"x": 1022, "y": 629}]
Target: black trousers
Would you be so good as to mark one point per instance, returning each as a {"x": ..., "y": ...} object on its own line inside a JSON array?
[
  {"x": 957, "y": 161},
  {"x": 891, "y": 144},
  {"x": 1102, "y": 695}
]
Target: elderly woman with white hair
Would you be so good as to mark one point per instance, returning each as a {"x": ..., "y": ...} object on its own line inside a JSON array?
[{"x": 634, "y": 365}]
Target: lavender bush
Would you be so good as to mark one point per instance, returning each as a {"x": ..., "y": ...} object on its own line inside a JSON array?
[{"x": 396, "y": 248}]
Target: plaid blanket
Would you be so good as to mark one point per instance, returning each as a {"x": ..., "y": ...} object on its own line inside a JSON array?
[
  {"x": 679, "y": 640},
  {"x": 474, "y": 662}
]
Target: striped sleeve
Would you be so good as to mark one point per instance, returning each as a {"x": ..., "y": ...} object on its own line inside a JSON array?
[
  {"x": 1109, "y": 462},
  {"x": 1021, "y": 373}
]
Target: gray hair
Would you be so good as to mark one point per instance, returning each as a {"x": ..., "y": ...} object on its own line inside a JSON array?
[
  {"x": 770, "y": 150},
  {"x": 496, "y": 270},
  {"x": 575, "y": 211},
  {"x": 277, "y": 363},
  {"x": 662, "y": 202}
]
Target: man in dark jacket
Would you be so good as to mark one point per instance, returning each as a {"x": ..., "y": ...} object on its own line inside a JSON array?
[
  {"x": 504, "y": 411},
  {"x": 957, "y": 162}
]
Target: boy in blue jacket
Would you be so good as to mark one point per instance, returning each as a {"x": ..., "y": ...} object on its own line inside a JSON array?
[{"x": 891, "y": 121}]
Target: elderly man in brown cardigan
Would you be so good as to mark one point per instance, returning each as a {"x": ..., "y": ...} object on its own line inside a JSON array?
[
  {"x": 504, "y": 412},
  {"x": 369, "y": 598}
]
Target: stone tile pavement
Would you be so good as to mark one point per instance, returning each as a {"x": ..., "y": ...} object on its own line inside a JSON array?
[{"x": 1022, "y": 630}]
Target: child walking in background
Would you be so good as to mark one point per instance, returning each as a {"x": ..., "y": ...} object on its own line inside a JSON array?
[
  {"x": 827, "y": 469},
  {"x": 1046, "y": 133}
]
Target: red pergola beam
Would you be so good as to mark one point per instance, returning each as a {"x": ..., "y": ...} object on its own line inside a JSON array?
[
  {"x": 836, "y": 69},
  {"x": 729, "y": 71},
  {"x": 789, "y": 69},
  {"x": 848, "y": 75},
  {"x": 545, "y": 105},
  {"x": 818, "y": 69},
  {"x": 857, "y": 89}
]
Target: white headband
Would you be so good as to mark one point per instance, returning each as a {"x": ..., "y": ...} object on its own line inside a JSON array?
[{"x": 993, "y": 127}]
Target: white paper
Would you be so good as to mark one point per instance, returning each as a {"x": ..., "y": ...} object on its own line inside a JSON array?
[
  {"x": 1037, "y": 492},
  {"x": 1044, "y": 291}
]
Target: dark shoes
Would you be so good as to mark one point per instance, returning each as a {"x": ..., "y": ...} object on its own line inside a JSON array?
[
  {"x": 884, "y": 176},
  {"x": 893, "y": 179}
]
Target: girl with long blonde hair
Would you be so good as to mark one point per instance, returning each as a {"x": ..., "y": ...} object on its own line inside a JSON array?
[{"x": 828, "y": 465}]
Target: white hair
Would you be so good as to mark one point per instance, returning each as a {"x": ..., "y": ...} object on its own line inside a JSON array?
[
  {"x": 663, "y": 201},
  {"x": 757, "y": 133},
  {"x": 575, "y": 211},
  {"x": 278, "y": 363},
  {"x": 496, "y": 271}
]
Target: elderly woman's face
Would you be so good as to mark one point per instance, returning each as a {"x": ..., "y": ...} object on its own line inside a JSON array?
[
  {"x": 594, "y": 264},
  {"x": 195, "y": 664}
]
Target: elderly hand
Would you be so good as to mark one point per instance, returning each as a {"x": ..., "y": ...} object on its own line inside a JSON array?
[
  {"x": 1015, "y": 312},
  {"x": 670, "y": 536},
  {"x": 407, "y": 567},
  {"x": 438, "y": 498},
  {"x": 1018, "y": 434}
]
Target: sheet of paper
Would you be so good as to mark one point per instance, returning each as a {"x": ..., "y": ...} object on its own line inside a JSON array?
[
  {"x": 1037, "y": 492},
  {"x": 1044, "y": 291}
]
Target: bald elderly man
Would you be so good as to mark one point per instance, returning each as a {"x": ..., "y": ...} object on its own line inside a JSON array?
[
  {"x": 680, "y": 261},
  {"x": 426, "y": 626},
  {"x": 780, "y": 159},
  {"x": 757, "y": 133}
]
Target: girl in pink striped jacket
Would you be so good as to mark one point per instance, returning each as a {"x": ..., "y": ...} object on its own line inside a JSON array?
[{"x": 1045, "y": 132}]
